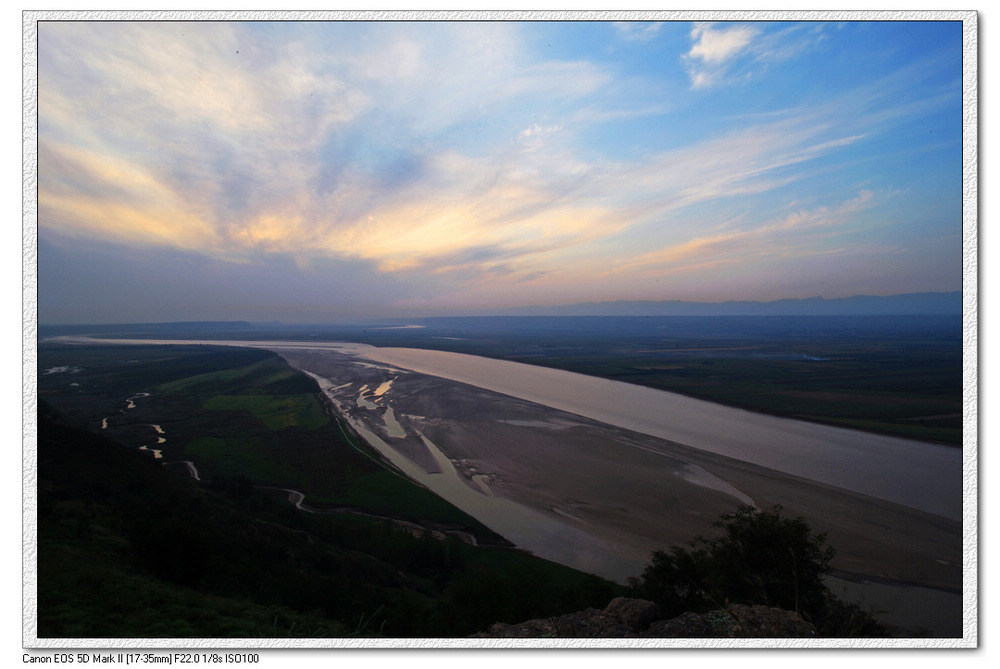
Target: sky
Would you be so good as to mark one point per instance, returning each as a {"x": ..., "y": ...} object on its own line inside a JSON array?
[{"x": 320, "y": 171}]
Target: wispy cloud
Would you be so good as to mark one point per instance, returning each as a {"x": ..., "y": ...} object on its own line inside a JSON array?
[
  {"x": 232, "y": 177},
  {"x": 715, "y": 45},
  {"x": 453, "y": 157},
  {"x": 234, "y": 135},
  {"x": 727, "y": 53},
  {"x": 795, "y": 234},
  {"x": 642, "y": 31},
  {"x": 713, "y": 49}
]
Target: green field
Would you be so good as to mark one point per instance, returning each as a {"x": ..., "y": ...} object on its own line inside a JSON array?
[
  {"x": 200, "y": 560},
  {"x": 235, "y": 413},
  {"x": 276, "y": 412}
]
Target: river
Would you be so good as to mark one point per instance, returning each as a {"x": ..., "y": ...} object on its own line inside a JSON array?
[{"x": 916, "y": 474}]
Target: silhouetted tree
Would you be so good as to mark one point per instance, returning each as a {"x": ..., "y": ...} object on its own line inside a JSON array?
[{"x": 761, "y": 558}]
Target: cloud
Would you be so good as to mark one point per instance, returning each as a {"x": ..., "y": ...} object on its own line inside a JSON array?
[
  {"x": 757, "y": 159},
  {"x": 450, "y": 157},
  {"x": 82, "y": 193},
  {"x": 331, "y": 154},
  {"x": 800, "y": 234},
  {"x": 536, "y": 130},
  {"x": 224, "y": 133},
  {"x": 642, "y": 31},
  {"x": 712, "y": 49},
  {"x": 714, "y": 46},
  {"x": 467, "y": 204},
  {"x": 92, "y": 281},
  {"x": 537, "y": 211},
  {"x": 722, "y": 54}
]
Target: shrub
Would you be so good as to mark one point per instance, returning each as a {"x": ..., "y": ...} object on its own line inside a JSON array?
[{"x": 760, "y": 558}]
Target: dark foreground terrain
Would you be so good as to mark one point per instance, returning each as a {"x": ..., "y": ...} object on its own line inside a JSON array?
[{"x": 130, "y": 545}]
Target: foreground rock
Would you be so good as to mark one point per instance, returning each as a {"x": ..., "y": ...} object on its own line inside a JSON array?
[{"x": 637, "y": 618}]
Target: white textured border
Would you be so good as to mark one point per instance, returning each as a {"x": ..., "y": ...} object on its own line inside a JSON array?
[
  {"x": 970, "y": 357},
  {"x": 970, "y": 333},
  {"x": 29, "y": 315}
]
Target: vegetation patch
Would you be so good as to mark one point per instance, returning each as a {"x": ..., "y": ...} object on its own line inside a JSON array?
[
  {"x": 760, "y": 558},
  {"x": 270, "y": 376},
  {"x": 216, "y": 457},
  {"x": 276, "y": 412},
  {"x": 125, "y": 550}
]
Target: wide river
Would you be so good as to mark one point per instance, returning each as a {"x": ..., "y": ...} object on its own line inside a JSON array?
[{"x": 916, "y": 474}]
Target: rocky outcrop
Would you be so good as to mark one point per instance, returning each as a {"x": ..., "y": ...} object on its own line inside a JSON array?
[
  {"x": 637, "y": 618},
  {"x": 737, "y": 621}
]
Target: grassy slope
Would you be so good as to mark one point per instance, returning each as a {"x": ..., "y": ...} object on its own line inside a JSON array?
[{"x": 127, "y": 550}]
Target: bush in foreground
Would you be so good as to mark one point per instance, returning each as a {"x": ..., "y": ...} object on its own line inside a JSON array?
[{"x": 761, "y": 558}]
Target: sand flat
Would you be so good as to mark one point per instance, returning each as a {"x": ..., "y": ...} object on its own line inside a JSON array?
[
  {"x": 889, "y": 468},
  {"x": 624, "y": 492}
]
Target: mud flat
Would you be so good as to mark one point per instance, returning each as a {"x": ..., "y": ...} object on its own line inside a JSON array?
[
  {"x": 889, "y": 468},
  {"x": 630, "y": 492},
  {"x": 540, "y": 477}
]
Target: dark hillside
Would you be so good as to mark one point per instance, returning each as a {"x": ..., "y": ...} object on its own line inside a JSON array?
[{"x": 126, "y": 549}]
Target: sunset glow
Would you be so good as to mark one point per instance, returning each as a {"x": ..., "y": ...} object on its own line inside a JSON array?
[{"x": 309, "y": 171}]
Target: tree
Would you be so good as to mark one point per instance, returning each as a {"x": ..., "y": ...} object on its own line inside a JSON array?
[{"x": 761, "y": 558}]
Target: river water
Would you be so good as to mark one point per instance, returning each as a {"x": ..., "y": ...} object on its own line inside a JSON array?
[{"x": 916, "y": 474}]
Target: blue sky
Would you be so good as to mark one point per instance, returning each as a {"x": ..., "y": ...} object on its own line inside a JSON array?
[{"x": 315, "y": 171}]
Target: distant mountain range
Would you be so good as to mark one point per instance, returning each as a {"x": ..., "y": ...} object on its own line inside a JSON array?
[
  {"x": 910, "y": 304},
  {"x": 859, "y": 305},
  {"x": 140, "y": 329}
]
